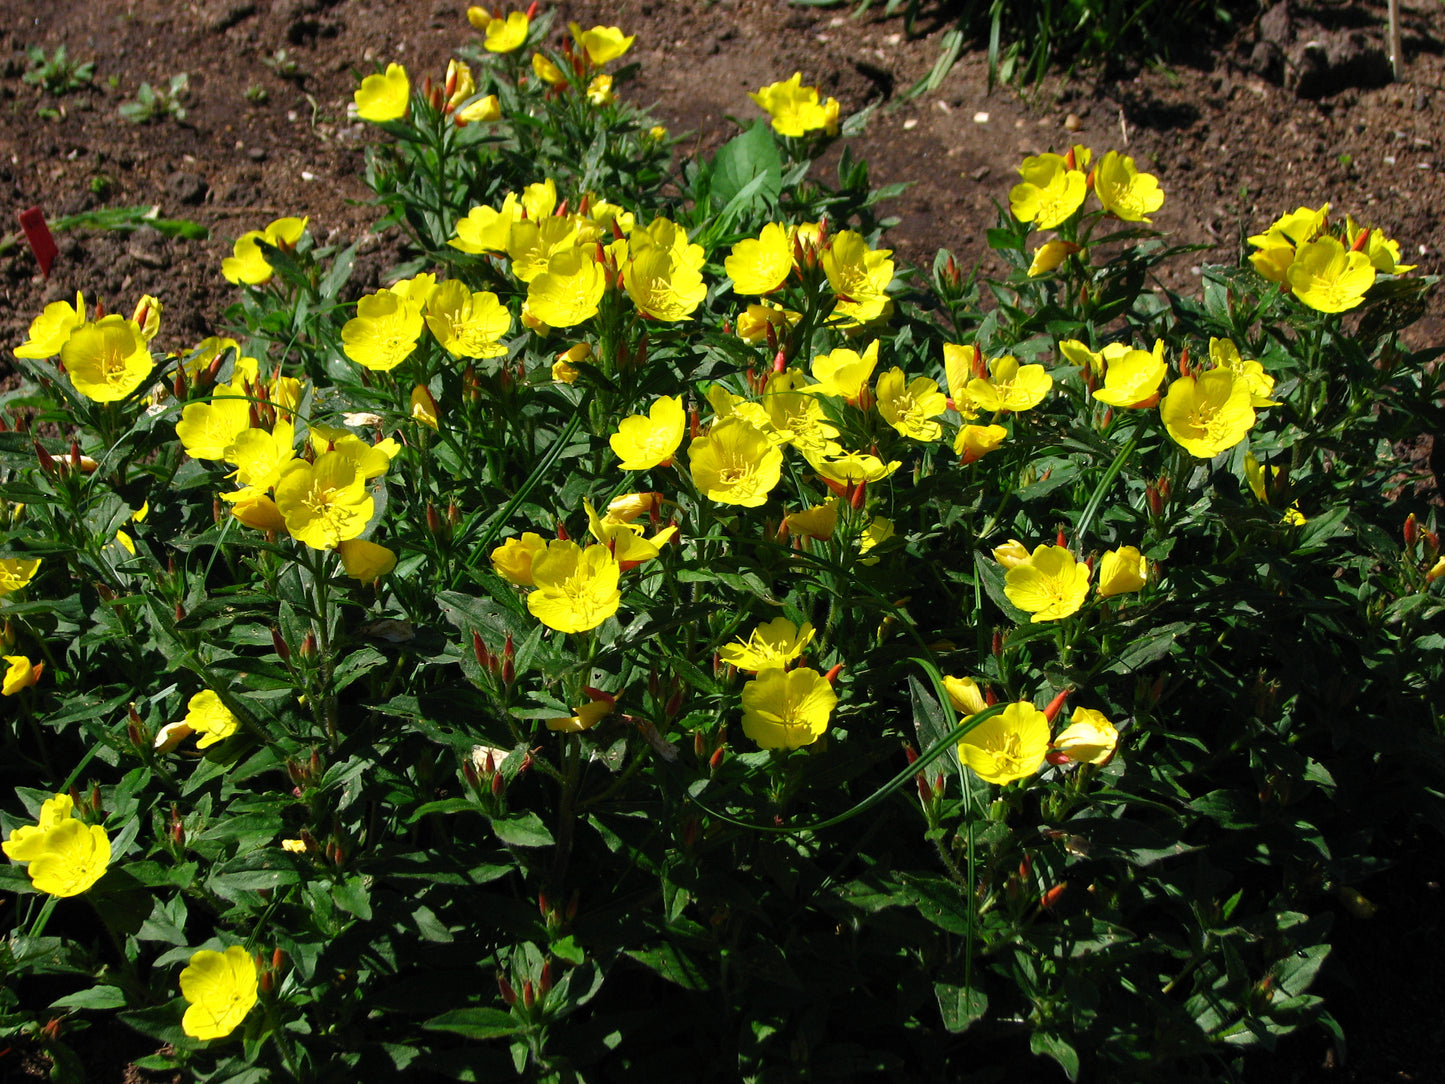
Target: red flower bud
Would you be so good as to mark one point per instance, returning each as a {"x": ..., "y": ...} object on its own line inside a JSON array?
[
  {"x": 508, "y": 994},
  {"x": 1051, "y": 897},
  {"x": 1052, "y": 711},
  {"x": 279, "y": 645},
  {"x": 38, "y": 236}
]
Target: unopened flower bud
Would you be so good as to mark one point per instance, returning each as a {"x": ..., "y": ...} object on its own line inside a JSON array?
[
  {"x": 508, "y": 994},
  {"x": 529, "y": 995},
  {"x": 279, "y": 645}
]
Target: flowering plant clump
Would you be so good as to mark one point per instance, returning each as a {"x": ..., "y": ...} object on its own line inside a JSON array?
[{"x": 653, "y": 593}]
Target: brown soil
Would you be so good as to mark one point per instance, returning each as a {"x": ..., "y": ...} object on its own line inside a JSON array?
[{"x": 266, "y": 134}]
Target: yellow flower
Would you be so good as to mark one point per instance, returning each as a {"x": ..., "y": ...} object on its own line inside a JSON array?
[
  {"x": 27, "y": 842},
  {"x": 852, "y": 468},
  {"x": 735, "y": 463},
  {"x": 1011, "y": 745},
  {"x": 1049, "y": 255},
  {"x": 255, "y": 509},
  {"x": 424, "y": 406},
  {"x": 666, "y": 234},
  {"x": 1123, "y": 191},
  {"x": 754, "y": 321},
  {"x": 774, "y": 644},
  {"x": 512, "y": 560},
  {"x": 787, "y": 709},
  {"x": 601, "y": 43},
  {"x": 1208, "y": 414},
  {"x": 207, "y": 716},
  {"x": 382, "y": 98},
  {"x": 976, "y": 441},
  {"x": 965, "y": 695},
  {"x": 859, "y": 276},
  {"x": 844, "y": 373},
  {"x": 625, "y": 539},
  {"x": 957, "y": 372},
  {"x": 1225, "y": 355},
  {"x": 506, "y": 35},
  {"x": 532, "y": 242},
  {"x": 73, "y": 857},
  {"x": 486, "y": 229},
  {"x": 546, "y": 71},
  {"x": 1327, "y": 278},
  {"x": 818, "y": 522},
  {"x": 662, "y": 286},
  {"x": 19, "y": 674},
  {"x": 1011, "y": 554},
  {"x": 1384, "y": 253},
  {"x": 1049, "y": 193},
  {"x": 1050, "y": 584},
  {"x": 1010, "y": 386},
  {"x": 1089, "y": 739},
  {"x": 482, "y": 110},
  {"x": 221, "y": 989},
  {"x": 645, "y": 442},
  {"x": 908, "y": 409},
  {"x": 599, "y": 91},
  {"x": 383, "y": 333},
  {"x": 878, "y": 531},
  {"x": 1122, "y": 571},
  {"x": 587, "y": 716},
  {"x": 1133, "y": 377},
  {"x": 467, "y": 324},
  {"x": 16, "y": 572},
  {"x": 107, "y": 360},
  {"x": 324, "y": 503},
  {"x": 799, "y": 415},
  {"x": 207, "y": 430},
  {"x": 370, "y": 460},
  {"x": 576, "y": 589},
  {"x": 569, "y": 291},
  {"x": 760, "y": 265},
  {"x": 260, "y": 457},
  {"x": 50, "y": 330},
  {"x": 247, "y": 264},
  {"x": 365, "y": 561},
  {"x": 795, "y": 109}
]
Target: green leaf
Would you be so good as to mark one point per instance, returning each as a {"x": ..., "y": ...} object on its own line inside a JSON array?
[
  {"x": 522, "y": 830},
  {"x": 673, "y": 964},
  {"x": 960, "y": 1006},
  {"x": 744, "y": 159},
  {"x": 1051, "y": 1046},
  {"x": 477, "y": 1023}
]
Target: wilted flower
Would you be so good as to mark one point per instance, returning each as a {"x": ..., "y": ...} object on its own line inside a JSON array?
[
  {"x": 1049, "y": 255},
  {"x": 424, "y": 406}
]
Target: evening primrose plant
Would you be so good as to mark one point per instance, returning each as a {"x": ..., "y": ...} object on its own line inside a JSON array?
[{"x": 650, "y": 593}]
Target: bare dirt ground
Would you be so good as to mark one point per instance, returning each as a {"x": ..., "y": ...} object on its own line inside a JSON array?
[{"x": 1294, "y": 107}]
